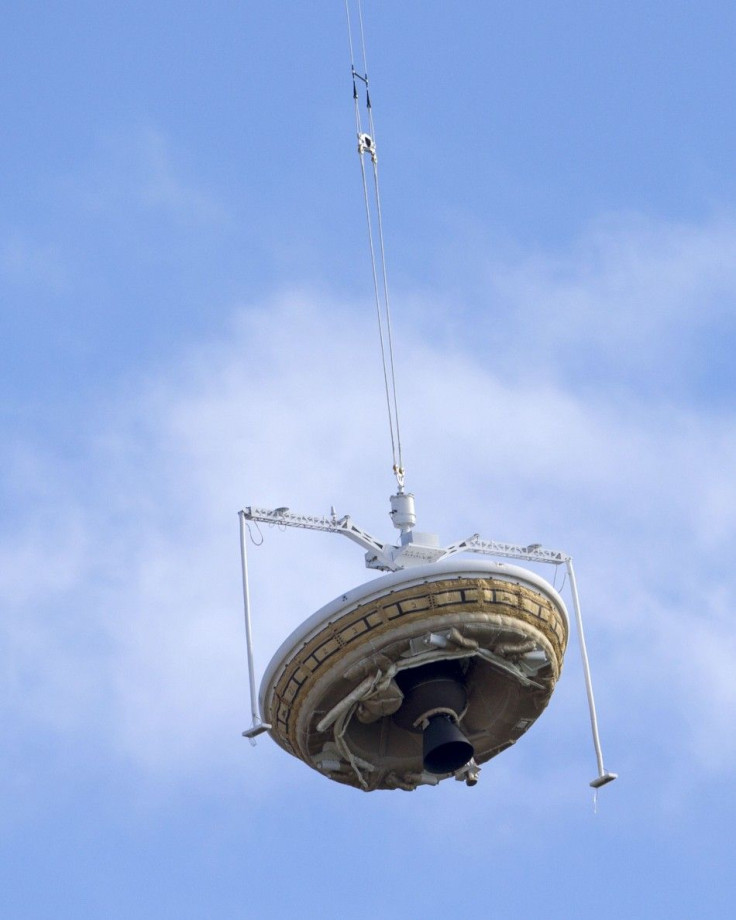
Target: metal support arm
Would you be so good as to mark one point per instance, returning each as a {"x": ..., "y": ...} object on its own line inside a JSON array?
[
  {"x": 344, "y": 525},
  {"x": 535, "y": 552}
]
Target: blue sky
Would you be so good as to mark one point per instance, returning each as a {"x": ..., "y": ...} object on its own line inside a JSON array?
[{"x": 187, "y": 328}]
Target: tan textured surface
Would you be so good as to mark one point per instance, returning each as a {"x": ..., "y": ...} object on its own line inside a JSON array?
[{"x": 496, "y": 613}]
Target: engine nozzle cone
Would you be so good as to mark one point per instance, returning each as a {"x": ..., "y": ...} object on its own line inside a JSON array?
[{"x": 446, "y": 748}]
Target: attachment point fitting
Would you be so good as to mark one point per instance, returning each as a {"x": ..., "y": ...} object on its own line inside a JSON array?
[{"x": 402, "y": 512}]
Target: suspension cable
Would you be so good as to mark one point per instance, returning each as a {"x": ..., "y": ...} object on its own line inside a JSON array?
[{"x": 374, "y": 220}]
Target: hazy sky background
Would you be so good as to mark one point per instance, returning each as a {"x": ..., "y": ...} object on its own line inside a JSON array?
[{"x": 187, "y": 328}]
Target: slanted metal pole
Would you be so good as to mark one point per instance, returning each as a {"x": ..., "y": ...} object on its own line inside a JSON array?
[
  {"x": 603, "y": 776},
  {"x": 257, "y": 726}
]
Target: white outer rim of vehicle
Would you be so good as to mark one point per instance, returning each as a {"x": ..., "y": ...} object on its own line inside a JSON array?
[{"x": 453, "y": 567}]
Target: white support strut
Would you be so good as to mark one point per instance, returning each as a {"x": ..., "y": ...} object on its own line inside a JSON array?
[
  {"x": 257, "y": 725},
  {"x": 603, "y": 776}
]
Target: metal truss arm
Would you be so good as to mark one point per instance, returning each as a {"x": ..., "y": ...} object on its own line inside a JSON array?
[
  {"x": 532, "y": 553},
  {"x": 332, "y": 524}
]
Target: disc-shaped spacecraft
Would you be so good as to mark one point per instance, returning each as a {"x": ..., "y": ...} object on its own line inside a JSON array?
[{"x": 418, "y": 675}]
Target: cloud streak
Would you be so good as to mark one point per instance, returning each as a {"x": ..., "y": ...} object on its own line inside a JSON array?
[{"x": 123, "y": 606}]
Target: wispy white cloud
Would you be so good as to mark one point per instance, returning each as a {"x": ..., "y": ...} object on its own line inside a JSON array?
[
  {"x": 137, "y": 170},
  {"x": 125, "y": 609},
  {"x": 632, "y": 306}
]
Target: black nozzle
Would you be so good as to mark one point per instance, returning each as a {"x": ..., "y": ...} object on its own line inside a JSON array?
[
  {"x": 446, "y": 748},
  {"x": 434, "y": 701}
]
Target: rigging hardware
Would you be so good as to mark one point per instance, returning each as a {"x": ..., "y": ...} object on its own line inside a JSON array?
[{"x": 374, "y": 221}]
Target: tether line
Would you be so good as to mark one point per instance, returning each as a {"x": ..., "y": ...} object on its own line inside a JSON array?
[{"x": 374, "y": 220}]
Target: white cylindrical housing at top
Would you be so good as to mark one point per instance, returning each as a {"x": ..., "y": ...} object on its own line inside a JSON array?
[{"x": 402, "y": 511}]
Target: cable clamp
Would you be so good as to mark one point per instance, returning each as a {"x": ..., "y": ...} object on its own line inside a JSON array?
[{"x": 366, "y": 144}]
